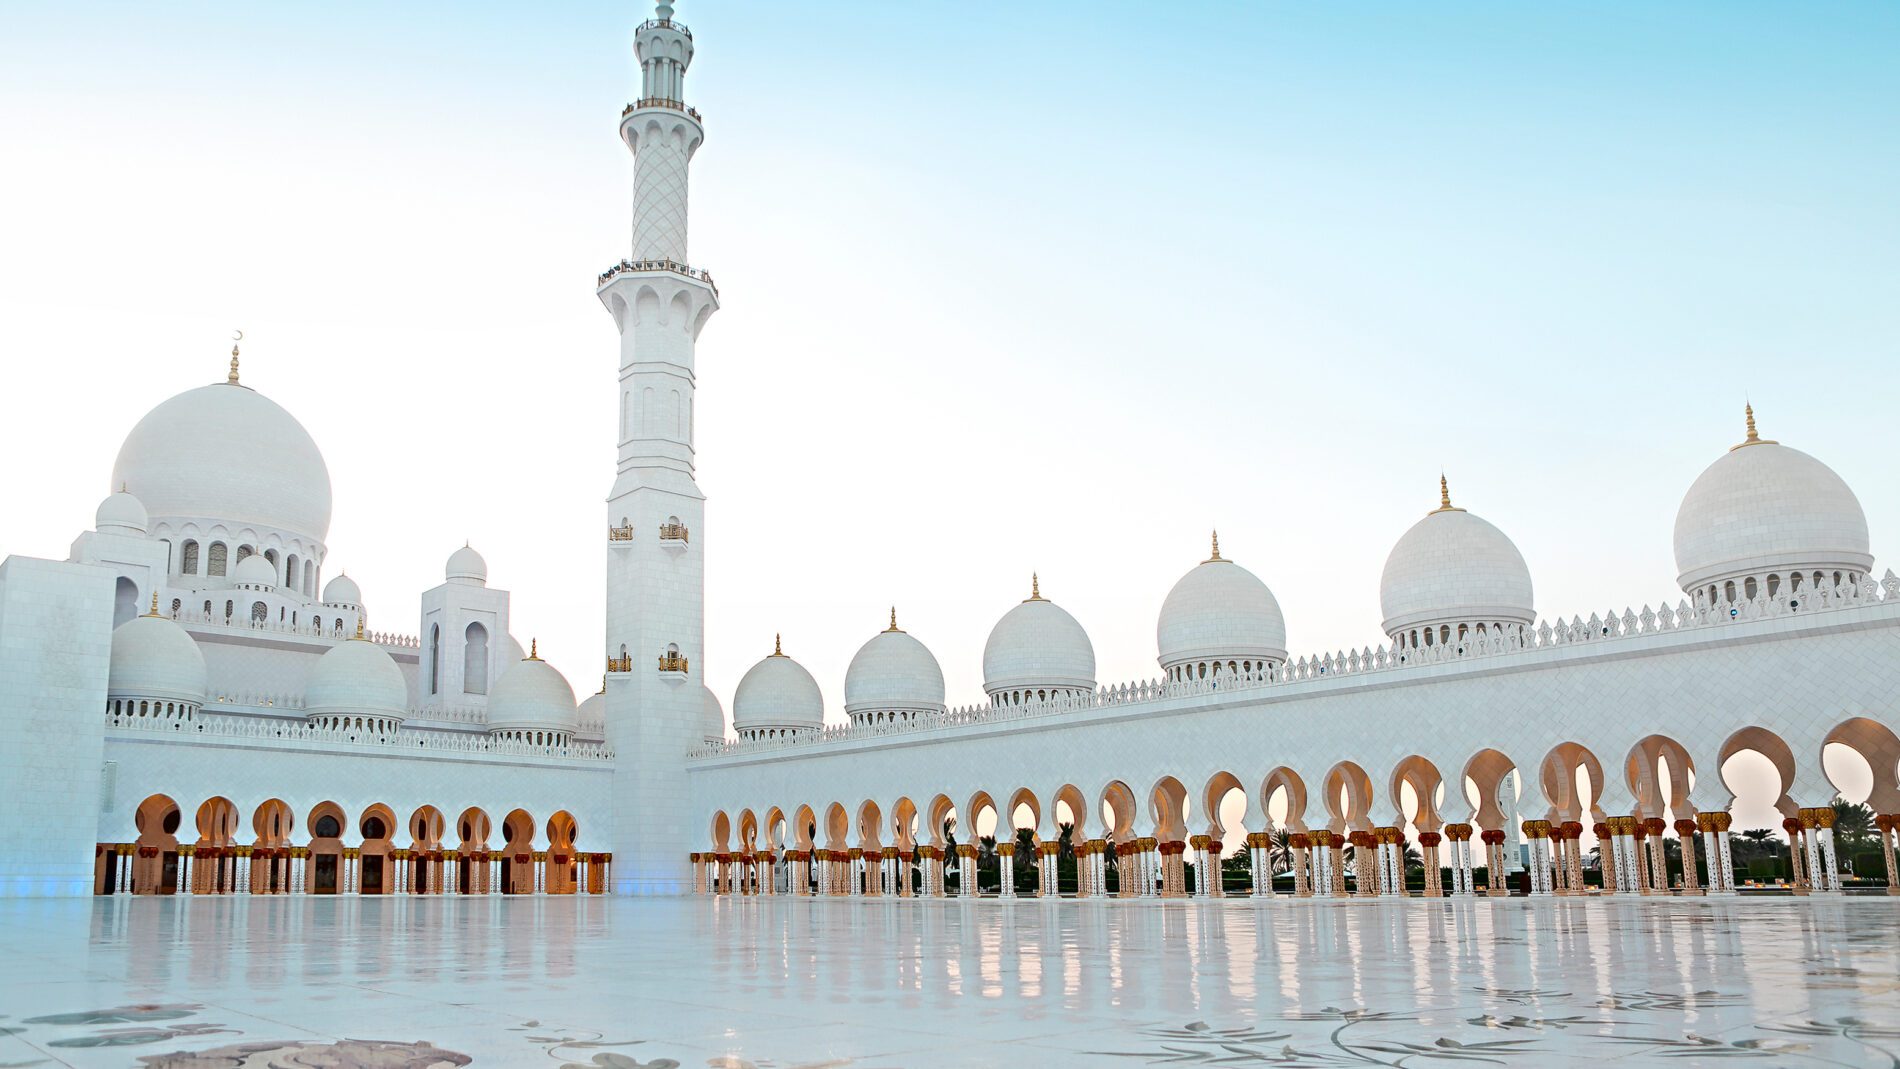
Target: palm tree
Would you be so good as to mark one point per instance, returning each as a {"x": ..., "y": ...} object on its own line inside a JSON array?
[
  {"x": 1758, "y": 841},
  {"x": 1853, "y": 823}
]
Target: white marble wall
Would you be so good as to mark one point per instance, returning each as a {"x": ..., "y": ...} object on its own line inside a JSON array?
[{"x": 55, "y": 650}]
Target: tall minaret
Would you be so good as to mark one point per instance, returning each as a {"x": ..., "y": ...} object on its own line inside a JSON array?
[{"x": 656, "y": 538}]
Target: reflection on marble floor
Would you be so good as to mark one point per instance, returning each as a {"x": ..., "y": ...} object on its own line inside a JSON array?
[{"x": 782, "y": 983}]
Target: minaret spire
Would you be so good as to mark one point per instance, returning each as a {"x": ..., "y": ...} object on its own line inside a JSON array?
[{"x": 1754, "y": 436}]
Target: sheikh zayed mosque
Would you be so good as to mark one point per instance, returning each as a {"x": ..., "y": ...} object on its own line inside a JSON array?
[{"x": 204, "y": 703}]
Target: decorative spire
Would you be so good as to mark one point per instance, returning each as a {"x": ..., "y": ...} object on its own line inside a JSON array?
[
  {"x": 778, "y": 648},
  {"x": 1754, "y": 436},
  {"x": 1444, "y": 497},
  {"x": 154, "y": 611},
  {"x": 236, "y": 336},
  {"x": 359, "y": 627},
  {"x": 1035, "y": 588},
  {"x": 1216, "y": 554},
  {"x": 534, "y": 648},
  {"x": 893, "y": 626}
]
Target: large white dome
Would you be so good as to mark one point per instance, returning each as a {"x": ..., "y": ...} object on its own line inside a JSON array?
[
  {"x": 532, "y": 696},
  {"x": 1037, "y": 646},
  {"x": 356, "y": 678},
  {"x": 226, "y": 453},
  {"x": 152, "y": 657},
  {"x": 1220, "y": 611},
  {"x": 1454, "y": 568},
  {"x": 1763, "y": 508},
  {"x": 893, "y": 673},
  {"x": 777, "y": 694}
]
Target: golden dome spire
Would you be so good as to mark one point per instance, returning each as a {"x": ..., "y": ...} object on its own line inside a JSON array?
[
  {"x": 1444, "y": 496},
  {"x": 154, "y": 611},
  {"x": 232, "y": 378},
  {"x": 893, "y": 626},
  {"x": 534, "y": 648},
  {"x": 1216, "y": 555},
  {"x": 778, "y": 647},
  {"x": 1754, "y": 436},
  {"x": 359, "y": 628},
  {"x": 1035, "y": 588}
]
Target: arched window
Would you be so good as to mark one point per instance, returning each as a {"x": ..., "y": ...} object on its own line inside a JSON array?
[
  {"x": 188, "y": 564},
  {"x": 317, "y": 623},
  {"x": 219, "y": 553},
  {"x": 435, "y": 658},
  {"x": 271, "y": 555},
  {"x": 125, "y": 601},
  {"x": 1749, "y": 588},
  {"x": 260, "y": 612},
  {"x": 309, "y": 578},
  {"x": 228, "y": 606},
  {"x": 207, "y": 610},
  {"x": 475, "y": 660},
  {"x": 177, "y": 607},
  {"x": 290, "y": 571},
  {"x": 327, "y": 827},
  {"x": 243, "y": 552}
]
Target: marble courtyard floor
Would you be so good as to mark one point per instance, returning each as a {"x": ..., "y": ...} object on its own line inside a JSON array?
[{"x": 780, "y": 983}]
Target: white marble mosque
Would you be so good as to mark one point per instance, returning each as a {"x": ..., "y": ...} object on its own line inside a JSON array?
[{"x": 220, "y": 712}]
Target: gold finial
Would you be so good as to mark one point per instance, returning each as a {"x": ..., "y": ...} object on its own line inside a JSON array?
[
  {"x": 778, "y": 648},
  {"x": 1754, "y": 437},
  {"x": 534, "y": 648},
  {"x": 1035, "y": 587},
  {"x": 1444, "y": 496},
  {"x": 154, "y": 611},
  {"x": 1216, "y": 555},
  {"x": 359, "y": 629},
  {"x": 893, "y": 626},
  {"x": 232, "y": 378}
]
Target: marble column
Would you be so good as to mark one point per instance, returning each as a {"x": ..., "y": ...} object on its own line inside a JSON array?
[
  {"x": 1800, "y": 861},
  {"x": 1885, "y": 825},
  {"x": 1658, "y": 856},
  {"x": 1686, "y": 835}
]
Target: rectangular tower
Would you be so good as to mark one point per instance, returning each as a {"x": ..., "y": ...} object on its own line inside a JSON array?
[{"x": 656, "y": 705}]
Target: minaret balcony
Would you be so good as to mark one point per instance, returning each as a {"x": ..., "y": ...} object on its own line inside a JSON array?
[
  {"x": 673, "y": 663},
  {"x": 622, "y": 663},
  {"x": 674, "y": 534},
  {"x": 671, "y": 267},
  {"x": 665, "y": 24},
  {"x": 661, "y": 102},
  {"x": 623, "y": 533}
]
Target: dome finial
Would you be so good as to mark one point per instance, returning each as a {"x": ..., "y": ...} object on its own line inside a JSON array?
[
  {"x": 893, "y": 626},
  {"x": 1444, "y": 496},
  {"x": 154, "y": 611},
  {"x": 778, "y": 647},
  {"x": 1754, "y": 436},
  {"x": 359, "y": 627},
  {"x": 1216, "y": 554},
  {"x": 1035, "y": 587},
  {"x": 236, "y": 336},
  {"x": 534, "y": 648}
]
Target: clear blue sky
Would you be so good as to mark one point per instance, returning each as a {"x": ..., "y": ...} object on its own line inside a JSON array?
[{"x": 1039, "y": 286}]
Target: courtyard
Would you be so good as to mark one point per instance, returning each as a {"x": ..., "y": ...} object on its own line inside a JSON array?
[{"x": 786, "y": 982}]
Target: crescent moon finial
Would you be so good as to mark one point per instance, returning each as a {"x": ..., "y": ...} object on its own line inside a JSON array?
[{"x": 236, "y": 336}]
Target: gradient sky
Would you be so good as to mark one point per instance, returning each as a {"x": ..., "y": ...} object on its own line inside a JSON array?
[{"x": 1053, "y": 287}]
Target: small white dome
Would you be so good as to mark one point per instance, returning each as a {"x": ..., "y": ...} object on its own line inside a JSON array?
[
  {"x": 712, "y": 716},
  {"x": 466, "y": 566},
  {"x": 893, "y": 673},
  {"x": 255, "y": 570},
  {"x": 121, "y": 513},
  {"x": 152, "y": 657},
  {"x": 593, "y": 712},
  {"x": 1453, "y": 567},
  {"x": 777, "y": 694},
  {"x": 532, "y": 696},
  {"x": 227, "y": 453},
  {"x": 1764, "y": 508},
  {"x": 342, "y": 591},
  {"x": 1220, "y": 611},
  {"x": 1038, "y": 646},
  {"x": 357, "y": 677}
]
